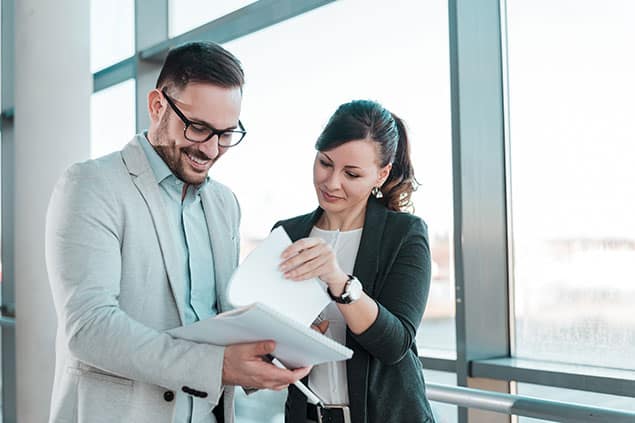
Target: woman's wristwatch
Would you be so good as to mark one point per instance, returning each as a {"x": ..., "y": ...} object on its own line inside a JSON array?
[{"x": 352, "y": 291}]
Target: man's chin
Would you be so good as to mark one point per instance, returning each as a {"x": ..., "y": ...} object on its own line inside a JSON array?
[
  {"x": 193, "y": 178},
  {"x": 196, "y": 181}
]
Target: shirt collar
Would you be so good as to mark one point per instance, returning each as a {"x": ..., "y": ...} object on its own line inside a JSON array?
[{"x": 159, "y": 168}]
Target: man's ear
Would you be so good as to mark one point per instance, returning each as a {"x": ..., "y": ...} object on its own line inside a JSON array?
[{"x": 156, "y": 105}]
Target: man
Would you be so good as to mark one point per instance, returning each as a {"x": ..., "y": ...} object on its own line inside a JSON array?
[{"x": 141, "y": 241}]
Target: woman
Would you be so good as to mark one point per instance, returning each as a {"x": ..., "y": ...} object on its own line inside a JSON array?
[{"x": 375, "y": 261}]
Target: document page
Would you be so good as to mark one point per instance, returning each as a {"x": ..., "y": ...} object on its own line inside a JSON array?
[
  {"x": 297, "y": 345},
  {"x": 258, "y": 279}
]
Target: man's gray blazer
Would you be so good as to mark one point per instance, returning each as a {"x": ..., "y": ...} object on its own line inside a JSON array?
[{"x": 115, "y": 275}]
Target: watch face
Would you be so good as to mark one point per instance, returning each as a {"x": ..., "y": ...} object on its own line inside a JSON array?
[
  {"x": 352, "y": 292},
  {"x": 354, "y": 289}
]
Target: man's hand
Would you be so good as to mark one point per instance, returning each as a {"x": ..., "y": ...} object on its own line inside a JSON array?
[
  {"x": 321, "y": 327},
  {"x": 244, "y": 365}
]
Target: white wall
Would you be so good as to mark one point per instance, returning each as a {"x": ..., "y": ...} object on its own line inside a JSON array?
[{"x": 53, "y": 84}]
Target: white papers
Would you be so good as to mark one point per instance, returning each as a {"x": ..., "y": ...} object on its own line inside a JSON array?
[
  {"x": 297, "y": 345},
  {"x": 258, "y": 279}
]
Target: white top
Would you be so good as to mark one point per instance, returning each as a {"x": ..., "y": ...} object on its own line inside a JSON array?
[{"x": 329, "y": 380}]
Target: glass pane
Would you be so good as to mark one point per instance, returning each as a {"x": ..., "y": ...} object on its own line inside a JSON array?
[
  {"x": 306, "y": 78},
  {"x": 189, "y": 14},
  {"x": 111, "y": 32},
  {"x": 573, "y": 200},
  {"x": 112, "y": 114},
  {"x": 299, "y": 84},
  {"x": 573, "y": 396},
  {"x": 443, "y": 412}
]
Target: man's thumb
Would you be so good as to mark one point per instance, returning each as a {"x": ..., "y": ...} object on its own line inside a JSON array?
[{"x": 323, "y": 326}]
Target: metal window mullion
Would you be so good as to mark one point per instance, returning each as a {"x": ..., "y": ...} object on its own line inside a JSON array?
[
  {"x": 115, "y": 74},
  {"x": 7, "y": 63},
  {"x": 251, "y": 18},
  {"x": 438, "y": 364},
  {"x": 480, "y": 231},
  {"x": 151, "y": 28},
  {"x": 584, "y": 378},
  {"x": 152, "y": 41}
]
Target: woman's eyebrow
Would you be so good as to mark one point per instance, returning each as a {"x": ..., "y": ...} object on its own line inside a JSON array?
[{"x": 347, "y": 166}]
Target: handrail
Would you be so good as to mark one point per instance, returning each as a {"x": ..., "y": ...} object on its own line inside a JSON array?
[{"x": 525, "y": 406}]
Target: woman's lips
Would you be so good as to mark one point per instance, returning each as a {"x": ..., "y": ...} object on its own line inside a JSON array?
[{"x": 328, "y": 197}]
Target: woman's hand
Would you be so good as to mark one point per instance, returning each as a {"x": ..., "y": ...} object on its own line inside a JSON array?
[{"x": 312, "y": 257}]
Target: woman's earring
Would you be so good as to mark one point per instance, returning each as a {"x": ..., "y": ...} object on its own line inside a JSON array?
[{"x": 376, "y": 192}]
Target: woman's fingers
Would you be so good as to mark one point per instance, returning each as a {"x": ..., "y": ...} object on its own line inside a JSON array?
[
  {"x": 300, "y": 245},
  {"x": 309, "y": 258},
  {"x": 305, "y": 255},
  {"x": 309, "y": 269}
]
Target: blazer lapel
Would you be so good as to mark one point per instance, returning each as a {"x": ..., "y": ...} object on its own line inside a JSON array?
[
  {"x": 145, "y": 181},
  {"x": 222, "y": 239},
  {"x": 367, "y": 260},
  {"x": 301, "y": 227}
]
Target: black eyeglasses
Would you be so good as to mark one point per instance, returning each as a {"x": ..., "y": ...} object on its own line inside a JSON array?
[{"x": 198, "y": 132}]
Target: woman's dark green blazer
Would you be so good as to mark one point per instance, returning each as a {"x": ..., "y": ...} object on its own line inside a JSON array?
[{"x": 385, "y": 379}]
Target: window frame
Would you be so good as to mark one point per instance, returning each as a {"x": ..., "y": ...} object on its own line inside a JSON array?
[{"x": 484, "y": 287}]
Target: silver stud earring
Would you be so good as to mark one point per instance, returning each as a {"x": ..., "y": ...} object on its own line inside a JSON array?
[{"x": 376, "y": 192}]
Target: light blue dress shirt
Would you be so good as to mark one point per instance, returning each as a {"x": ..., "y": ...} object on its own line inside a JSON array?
[{"x": 189, "y": 228}]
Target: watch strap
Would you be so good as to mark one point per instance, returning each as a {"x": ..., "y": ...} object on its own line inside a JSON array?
[{"x": 344, "y": 298}]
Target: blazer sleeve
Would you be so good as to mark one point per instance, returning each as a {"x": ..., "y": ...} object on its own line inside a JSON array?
[
  {"x": 401, "y": 299},
  {"x": 83, "y": 256}
]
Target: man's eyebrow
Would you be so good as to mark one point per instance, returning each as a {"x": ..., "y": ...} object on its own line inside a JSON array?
[{"x": 202, "y": 122}]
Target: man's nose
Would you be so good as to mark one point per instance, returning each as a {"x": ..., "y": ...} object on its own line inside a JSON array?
[{"x": 210, "y": 147}]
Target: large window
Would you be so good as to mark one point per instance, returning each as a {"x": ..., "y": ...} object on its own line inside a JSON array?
[
  {"x": 395, "y": 55},
  {"x": 188, "y": 14},
  {"x": 293, "y": 89},
  {"x": 571, "y": 96},
  {"x": 112, "y": 114},
  {"x": 111, "y": 32}
]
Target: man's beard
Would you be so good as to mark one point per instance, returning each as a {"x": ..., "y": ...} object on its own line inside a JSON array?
[{"x": 173, "y": 156}]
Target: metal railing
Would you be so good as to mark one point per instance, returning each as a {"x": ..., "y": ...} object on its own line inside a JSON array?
[{"x": 525, "y": 406}]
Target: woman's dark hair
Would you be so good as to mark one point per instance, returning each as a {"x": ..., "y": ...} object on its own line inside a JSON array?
[
  {"x": 365, "y": 119},
  {"x": 200, "y": 61}
]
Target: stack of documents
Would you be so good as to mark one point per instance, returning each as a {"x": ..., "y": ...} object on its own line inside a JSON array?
[
  {"x": 271, "y": 307},
  {"x": 296, "y": 345}
]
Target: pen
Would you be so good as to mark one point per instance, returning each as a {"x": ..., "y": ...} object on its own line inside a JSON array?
[{"x": 310, "y": 395}]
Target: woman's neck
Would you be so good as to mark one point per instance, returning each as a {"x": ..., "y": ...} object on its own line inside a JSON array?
[{"x": 343, "y": 222}]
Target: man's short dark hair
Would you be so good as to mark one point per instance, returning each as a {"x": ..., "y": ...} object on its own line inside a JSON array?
[{"x": 200, "y": 61}]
